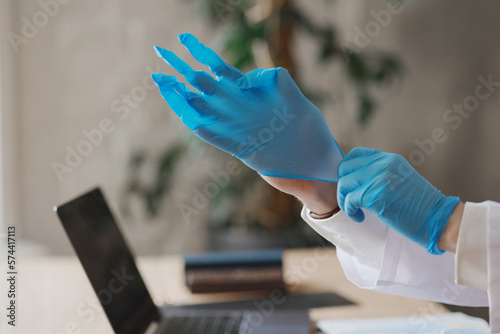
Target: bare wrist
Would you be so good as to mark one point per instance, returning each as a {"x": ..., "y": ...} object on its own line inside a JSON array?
[
  {"x": 323, "y": 200},
  {"x": 318, "y": 196},
  {"x": 449, "y": 238}
]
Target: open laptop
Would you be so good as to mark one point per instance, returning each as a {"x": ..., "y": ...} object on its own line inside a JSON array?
[{"x": 111, "y": 269}]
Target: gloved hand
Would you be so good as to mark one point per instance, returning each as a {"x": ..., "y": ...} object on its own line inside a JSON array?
[
  {"x": 261, "y": 117},
  {"x": 387, "y": 185}
]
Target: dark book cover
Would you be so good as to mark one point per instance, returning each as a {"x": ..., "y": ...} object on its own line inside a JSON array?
[
  {"x": 234, "y": 271},
  {"x": 233, "y": 259}
]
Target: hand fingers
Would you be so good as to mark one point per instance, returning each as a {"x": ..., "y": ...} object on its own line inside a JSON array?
[
  {"x": 353, "y": 205},
  {"x": 196, "y": 100},
  {"x": 349, "y": 184},
  {"x": 164, "y": 80},
  {"x": 208, "y": 57},
  {"x": 199, "y": 79},
  {"x": 176, "y": 96},
  {"x": 349, "y": 166},
  {"x": 358, "y": 152},
  {"x": 257, "y": 78}
]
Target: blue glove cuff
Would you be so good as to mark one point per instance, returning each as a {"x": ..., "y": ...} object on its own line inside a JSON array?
[{"x": 438, "y": 223}]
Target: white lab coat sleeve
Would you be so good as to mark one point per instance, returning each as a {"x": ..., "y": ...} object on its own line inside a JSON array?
[
  {"x": 478, "y": 253},
  {"x": 472, "y": 248},
  {"x": 378, "y": 258},
  {"x": 493, "y": 244}
]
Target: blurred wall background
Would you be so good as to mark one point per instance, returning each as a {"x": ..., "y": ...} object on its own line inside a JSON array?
[{"x": 90, "y": 60}]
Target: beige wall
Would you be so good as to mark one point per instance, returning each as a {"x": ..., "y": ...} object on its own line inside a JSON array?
[
  {"x": 9, "y": 206},
  {"x": 446, "y": 46},
  {"x": 89, "y": 54},
  {"x": 92, "y": 52}
]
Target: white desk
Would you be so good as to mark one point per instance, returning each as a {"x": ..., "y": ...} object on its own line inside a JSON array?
[{"x": 55, "y": 296}]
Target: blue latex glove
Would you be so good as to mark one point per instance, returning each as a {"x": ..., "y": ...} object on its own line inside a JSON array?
[
  {"x": 387, "y": 185},
  {"x": 260, "y": 117}
]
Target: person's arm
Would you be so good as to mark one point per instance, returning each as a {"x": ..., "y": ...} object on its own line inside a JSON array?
[
  {"x": 378, "y": 258},
  {"x": 257, "y": 117},
  {"x": 319, "y": 197},
  {"x": 449, "y": 238}
]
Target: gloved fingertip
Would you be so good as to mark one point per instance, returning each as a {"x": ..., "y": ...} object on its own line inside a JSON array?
[
  {"x": 157, "y": 78},
  {"x": 186, "y": 37},
  {"x": 162, "y": 79},
  {"x": 357, "y": 216},
  {"x": 166, "y": 55},
  {"x": 243, "y": 83},
  {"x": 338, "y": 169},
  {"x": 159, "y": 51}
]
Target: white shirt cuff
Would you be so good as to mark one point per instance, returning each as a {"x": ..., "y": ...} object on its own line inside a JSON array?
[
  {"x": 366, "y": 240},
  {"x": 471, "y": 256},
  {"x": 328, "y": 227}
]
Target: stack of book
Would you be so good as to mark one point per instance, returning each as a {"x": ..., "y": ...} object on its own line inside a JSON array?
[{"x": 234, "y": 271}]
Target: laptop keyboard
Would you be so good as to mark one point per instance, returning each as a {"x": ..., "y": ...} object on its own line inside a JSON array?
[{"x": 224, "y": 324}]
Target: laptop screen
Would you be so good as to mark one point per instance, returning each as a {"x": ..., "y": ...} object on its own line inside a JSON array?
[{"x": 108, "y": 263}]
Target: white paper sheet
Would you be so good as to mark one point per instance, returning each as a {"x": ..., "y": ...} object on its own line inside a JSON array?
[{"x": 450, "y": 323}]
